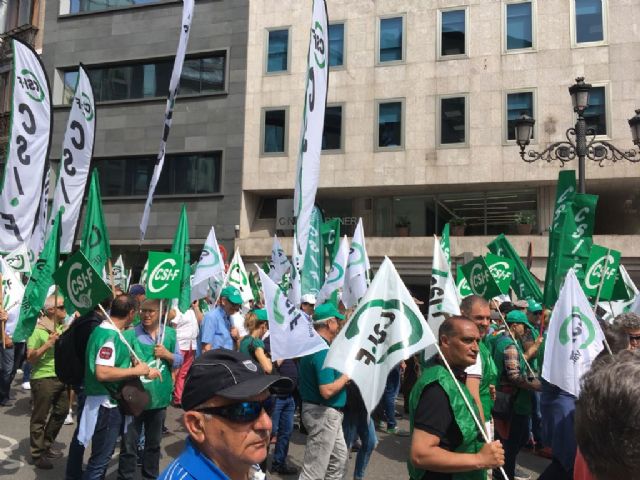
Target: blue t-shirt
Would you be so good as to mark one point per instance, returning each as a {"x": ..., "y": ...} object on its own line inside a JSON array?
[
  {"x": 216, "y": 329},
  {"x": 192, "y": 465},
  {"x": 311, "y": 375}
]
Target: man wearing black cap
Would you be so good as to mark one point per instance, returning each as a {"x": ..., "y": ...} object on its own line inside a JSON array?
[{"x": 227, "y": 402}]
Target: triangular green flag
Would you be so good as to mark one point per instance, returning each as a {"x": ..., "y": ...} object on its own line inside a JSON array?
[
  {"x": 95, "y": 237},
  {"x": 331, "y": 237},
  {"x": 312, "y": 274},
  {"x": 523, "y": 283},
  {"x": 255, "y": 288},
  {"x": 180, "y": 247},
  {"x": 41, "y": 280}
]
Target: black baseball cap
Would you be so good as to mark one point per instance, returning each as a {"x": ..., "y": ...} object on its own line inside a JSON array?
[{"x": 229, "y": 374}]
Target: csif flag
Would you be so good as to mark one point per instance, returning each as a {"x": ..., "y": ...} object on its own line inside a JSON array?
[
  {"x": 18, "y": 260},
  {"x": 41, "y": 280},
  {"x": 574, "y": 338},
  {"x": 237, "y": 277},
  {"x": 28, "y": 147},
  {"x": 36, "y": 242},
  {"x": 356, "y": 276},
  {"x": 95, "y": 238},
  {"x": 523, "y": 283},
  {"x": 180, "y": 247},
  {"x": 77, "y": 149},
  {"x": 279, "y": 262},
  {"x": 315, "y": 99},
  {"x": 386, "y": 328},
  {"x": 209, "y": 275},
  {"x": 290, "y": 330},
  {"x": 335, "y": 278},
  {"x": 295, "y": 288},
  {"x": 312, "y": 273},
  {"x": 12, "y": 288}
]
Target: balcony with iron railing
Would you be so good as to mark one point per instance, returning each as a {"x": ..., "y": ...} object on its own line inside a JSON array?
[{"x": 27, "y": 33}]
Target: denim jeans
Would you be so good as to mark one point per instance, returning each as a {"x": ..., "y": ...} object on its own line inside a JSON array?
[
  {"x": 12, "y": 359},
  {"x": 536, "y": 419},
  {"x": 76, "y": 449},
  {"x": 282, "y": 420},
  {"x": 151, "y": 421},
  {"x": 389, "y": 396},
  {"x": 103, "y": 442},
  {"x": 354, "y": 425}
]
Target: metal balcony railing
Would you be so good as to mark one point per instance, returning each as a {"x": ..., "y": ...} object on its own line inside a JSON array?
[{"x": 27, "y": 33}]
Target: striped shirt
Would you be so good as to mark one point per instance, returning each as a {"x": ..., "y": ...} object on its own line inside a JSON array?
[{"x": 192, "y": 465}]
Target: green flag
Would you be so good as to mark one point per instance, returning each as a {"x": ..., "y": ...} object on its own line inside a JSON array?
[
  {"x": 181, "y": 248},
  {"x": 501, "y": 269},
  {"x": 593, "y": 280},
  {"x": 565, "y": 192},
  {"x": 255, "y": 287},
  {"x": 445, "y": 243},
  {"x": 41, "y": 280},
  {"x": 331, "y": 237},
  {"x": 95, "y": 237},
  {"x": 621, "y": 290},
  {"x": 312, "y": 274},
  {"x": 523, "y": 282},
  {"x": 480, "y": 280},
  {"x": 462, "y": 285}
]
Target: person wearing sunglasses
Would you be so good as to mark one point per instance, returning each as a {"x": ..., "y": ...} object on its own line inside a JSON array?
[
  {"x": 227, "y": 402},
  {"x": 630, "y": 322}
]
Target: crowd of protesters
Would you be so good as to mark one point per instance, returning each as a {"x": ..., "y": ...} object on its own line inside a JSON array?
[{"x": 239, "y": 404}]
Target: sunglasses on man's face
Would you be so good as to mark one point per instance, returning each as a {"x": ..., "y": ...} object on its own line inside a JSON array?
[
  {"x": 634, "y": 338},
  {"x": 242, "y": 412}
]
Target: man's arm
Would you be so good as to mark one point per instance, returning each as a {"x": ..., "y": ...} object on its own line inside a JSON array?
[
  {"x": 105, "y": 373},
  {"x": 512, "y": 370},
  {"x": 34, "y": 354},
  {"x": 328, "y": 390},
  {"x": 473, "y": 384}
]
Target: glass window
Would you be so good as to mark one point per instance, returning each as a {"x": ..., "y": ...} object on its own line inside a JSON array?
[
  {"x": 200, "y": 75},
  {"x": 589, "y": 21},
  {"x": 596, "y": 114},
  {"x": 77, "y": 6},
  {"x": 452, "y": 120},
  {"x": 453, "y": 33},
  {"x": 390, "y": 124},
  {"x": 519, "y": 26},
  {"x": 336, "y": 45},
  {"x": 391, "y": 39},
  {"x": 332, "y": 132},
  {"x": 517, "y": 104},
  {"x": 274, "y": 135},
  {"x": 278, "y": 49},
  {"x": 182, "y": 175}
]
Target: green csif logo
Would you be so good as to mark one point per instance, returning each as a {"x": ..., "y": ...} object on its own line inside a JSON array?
[
  {"x": 573, "y": 328},
  {"x": 32, "y": 86}
]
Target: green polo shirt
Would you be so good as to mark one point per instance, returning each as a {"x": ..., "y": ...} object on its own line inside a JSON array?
[
  {"x": 312, "y": 375},
  {"x": 45, "y": 366}
]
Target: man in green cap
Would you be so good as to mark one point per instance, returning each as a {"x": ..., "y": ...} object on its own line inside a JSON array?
[
  {"x": 514, "y": 387},
  {"x": 323, "y": 398},
  {"x": 217, "y": 328}
]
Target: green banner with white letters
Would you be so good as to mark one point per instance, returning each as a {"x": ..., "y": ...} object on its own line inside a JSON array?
[
  {"x": 596, "y": 269},
  {"x": 501, "y": 270},
  {"x": 165, "y": 275},
  {"x": 480, "y": 280}
]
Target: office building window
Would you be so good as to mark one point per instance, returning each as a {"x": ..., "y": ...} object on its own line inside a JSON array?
[
  {"x": 200, "y": 75},
  {"x": 390, "y": 46},
  {"x": 81, "y": 6},
  {"x": 390, "y": 134},
  {"x": 589, "y": 22},
  {"x": 519, "y": 28},
  {"x": 453, "y": 30},
  {"x": 332, "y": 133},
  {"x": 336, "y": 44},
  {"x": 278, "y": 51},
  {"x": 517, "y": 104},
  {"x": 184, "y": 174},
  {"x": 596, "y": 114},
  {"x": 274, "y": 131},
  {"x": 453, "y": 120}
]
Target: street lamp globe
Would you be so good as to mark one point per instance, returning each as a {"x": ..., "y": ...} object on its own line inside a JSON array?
[
  {"x": 524, "y": 129},
  {"x": 634, "y": 123},
  {"x": 580, "y": 95}
]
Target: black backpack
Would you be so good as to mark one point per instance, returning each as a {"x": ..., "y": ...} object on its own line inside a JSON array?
[{"x": 71, "y": 346}]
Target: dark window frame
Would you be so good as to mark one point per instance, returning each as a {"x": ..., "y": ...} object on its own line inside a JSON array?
[
  {"x": 267, "y": 46},
  {"x": 440, "y": 42},
  {"x": 464, "y": 144},
  {"x": 344, "y": 45},
  {"x": 263, "y": 115},
  {"x": 340, "y": 149},
  {"x": 385, "y": 101}
]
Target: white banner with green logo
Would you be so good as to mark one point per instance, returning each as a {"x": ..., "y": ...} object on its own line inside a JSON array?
[
  {"x": 209, "y": 275},
  {"x": 386, "y": 328},
  {"x": 279, "y": 264},
  {"x": 356, "y": 276},
  {"x": 19, "y": 259},
  {"x": 237, "y": 277},
  {"x": 574, "y": 338},
  {"x": 12, "y": 287},
  {"x": 77, "y": 148},
  {"x": 291, "y": 331},
  {"x": 335, "y": 278},
  {"x": 80, "y": 283},
  {"x": 315, "y": 99},
  {"x": 28, "y": 148},
  {"x": 165, "y": 275}
]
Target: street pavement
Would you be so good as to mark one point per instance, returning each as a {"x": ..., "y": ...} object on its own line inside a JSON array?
[{"x": 388, "y": 459}]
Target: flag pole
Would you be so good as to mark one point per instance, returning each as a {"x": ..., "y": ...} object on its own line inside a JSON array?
[
  {"x": 514, "y": 340},
  {"x": 113, "y": 285},
  {"x": 595, "y": 305},
  {"x": 485, "y": 436}
]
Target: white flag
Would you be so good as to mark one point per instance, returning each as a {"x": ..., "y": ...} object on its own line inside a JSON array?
[
  {"x": 209, "y": 275},
  {"x": 119, "y": 273},
  {"x": 144, "y": 273},
  {"x": 174, "y": 84},
  {"x": 28, "y": 148},
  {"x": 18, "y": 260},
  {"x": 237, "y": 277},
  {"x": 291, "y": 331},
  {"x": 308, "y": 166},
  {"x": 279, "y": 262},
  {"x": 77, "y": 149},
  {"x": 335, "y": 279},
  {"x": 355, "y": 280},
  {"x": 39, "y": 235},
  {"x": 12, "y": 287},
  {"x": 443, "y": 295},
  {"x": 295, "y": 290},
  {"x": 386, "y": 328},
  {"x": 574, "y": 338}
]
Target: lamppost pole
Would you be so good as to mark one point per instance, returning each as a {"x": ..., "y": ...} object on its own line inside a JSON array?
[{"x": 581, "y": 143}]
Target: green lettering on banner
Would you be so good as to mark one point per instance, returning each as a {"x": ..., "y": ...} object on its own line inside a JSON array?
[
  {"x": 165, "y": 275},
  {"x": 481, "y": 282},
  {"x": 80, "y": 283},
  {"x": 595, "y": 271}
]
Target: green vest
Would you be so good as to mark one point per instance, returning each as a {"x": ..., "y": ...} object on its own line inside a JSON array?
[
  {"x": 489, "y": 377},
  {"x": 160, "y": 389},
  {"x": 522, "y": 403},
  {"x": 435, "y": 372},
  {"x": 98, "y": 338}
]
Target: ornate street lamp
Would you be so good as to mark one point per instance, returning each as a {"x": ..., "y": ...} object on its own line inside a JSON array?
[{"x": 581, "y": 142}]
